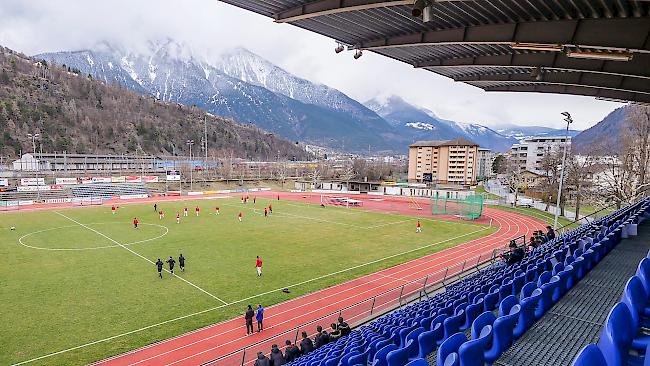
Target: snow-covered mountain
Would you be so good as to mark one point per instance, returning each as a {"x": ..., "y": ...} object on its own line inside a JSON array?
[
  {"x": 418, "y": 123},
  {"x": 523, "y": 132},
  {"x": 240, "y": 85}
]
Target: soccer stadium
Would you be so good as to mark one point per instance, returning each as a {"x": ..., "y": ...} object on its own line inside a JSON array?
[{"x": 159, "y": 207}]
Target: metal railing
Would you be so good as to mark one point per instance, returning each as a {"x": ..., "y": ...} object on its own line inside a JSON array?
[{"x": 357, "y": 313}]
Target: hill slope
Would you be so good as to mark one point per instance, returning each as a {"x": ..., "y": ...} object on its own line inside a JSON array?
[
  {"x": 606, "y": 133},
  {"x": 76, "y": 113}
]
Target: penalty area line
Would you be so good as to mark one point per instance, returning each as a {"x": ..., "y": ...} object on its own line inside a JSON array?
[{"x": 139, "y": 255}]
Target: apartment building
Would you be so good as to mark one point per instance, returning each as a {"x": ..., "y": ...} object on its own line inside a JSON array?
[
  {"x": 446, "y": 161},
  {"x": 485, "y": 160},
  {"x": 530, "y": 152}
]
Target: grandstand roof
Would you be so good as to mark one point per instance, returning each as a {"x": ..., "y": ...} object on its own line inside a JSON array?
[
  {"x": 598, "y": 48},
  {"x": 437, "y": 143}
]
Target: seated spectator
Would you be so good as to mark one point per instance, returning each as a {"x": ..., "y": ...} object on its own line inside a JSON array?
[
  {"x": 335, "y": 333},
  {"x": 306, "y": 345},
  {"x": 550, "y": 234},
  {"x": 276, "y": 356},
  {"x": 321, "y": 338},
  {"x": 516, "y": 254},
  {"x": 291, "y": 352},
  {"x": 262, "y": 360},
  {"x": 534, "y": 242},
  {"x": 343, "y": 327}
]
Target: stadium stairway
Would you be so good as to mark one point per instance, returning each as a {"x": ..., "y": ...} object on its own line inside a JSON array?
[
  {"x": 494, "y": 307},
  {"x": 577, "y": 319}
]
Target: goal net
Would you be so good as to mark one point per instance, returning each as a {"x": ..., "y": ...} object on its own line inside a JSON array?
[{"x": 468, "y": 208}]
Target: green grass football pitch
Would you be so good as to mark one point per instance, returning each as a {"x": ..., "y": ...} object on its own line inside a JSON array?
[{"x": 73, "y": 276}]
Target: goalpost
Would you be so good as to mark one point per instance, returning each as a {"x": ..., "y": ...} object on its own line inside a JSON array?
[
  {"x": 87, "y": 201},
  {"x": 414, "y": 204}
]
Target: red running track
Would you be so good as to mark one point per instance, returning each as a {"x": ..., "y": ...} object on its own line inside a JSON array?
[{"x": 214, "y": 341}]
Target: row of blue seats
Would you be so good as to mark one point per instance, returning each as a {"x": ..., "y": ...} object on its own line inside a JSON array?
[
  {"x": 624, "y": 339},
  {"x": 490, "y": 335},
  {"x": 413, "y": 332}
]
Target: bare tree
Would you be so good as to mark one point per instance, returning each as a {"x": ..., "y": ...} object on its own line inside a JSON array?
[
  {"x": 551, "y": 164},
  {"x": 515, "y": 179},
  {"x": 281, "y": 172},
  {"x": 347, "y": 174},
  {"x": 579, "y": 168}
]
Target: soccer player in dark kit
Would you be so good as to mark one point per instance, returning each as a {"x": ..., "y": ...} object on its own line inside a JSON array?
[
  {"x": 159, "y": 264},
  {"x": 171, "y": 262}
]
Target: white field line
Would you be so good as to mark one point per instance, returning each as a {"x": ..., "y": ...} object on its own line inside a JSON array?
[
  {"x": 241, "y": 300},
  {"x": 139, "y": 255},
  {"x": 20, "y": 240}
]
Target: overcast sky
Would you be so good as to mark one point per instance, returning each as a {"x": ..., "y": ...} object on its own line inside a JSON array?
[{"x": 210, "y": 27}]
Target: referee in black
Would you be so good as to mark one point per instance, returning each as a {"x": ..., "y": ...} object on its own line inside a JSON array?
[{"x": 159, "y": 264}]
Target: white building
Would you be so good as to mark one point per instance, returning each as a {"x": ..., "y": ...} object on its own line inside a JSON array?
[
  {"x": 29, "y": 163},
  {"x": 530, "y": 152},
  {"x": 485, "y": 160}
]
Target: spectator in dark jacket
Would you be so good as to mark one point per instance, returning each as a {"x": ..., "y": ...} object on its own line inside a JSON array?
[
  {"x": 334, "y": 334},
  {"x": 249, "y": 319},
  {"x": 516, "y": 254},
  {"x": 262, "y": 360},
  {"x": 291, "y": 352},
  {"x": 550, "y": 233},
  {"x": 306, "y": 345},
  {"x": 343, "y": 327},
  {"x": 276, "y": 356},
  {"x": 321, "y": 338}
]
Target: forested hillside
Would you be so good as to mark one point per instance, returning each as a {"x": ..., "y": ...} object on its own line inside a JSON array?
[{"x": 75, "y": 113}]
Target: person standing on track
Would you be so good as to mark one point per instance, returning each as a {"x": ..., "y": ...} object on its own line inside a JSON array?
[
  {"x": 259, "y": 316},
  {"x": 258, "y": 266},
  {"x": 113, "y": 209},
  {"x": 278, "y": 197},
  {"x": 181, "y": 262},
  {"x": 159, "y": 264},
  {"x": 239, "y": 216},
  {"x": 249, "y": 320},
  {"x": 197, "y": 210},
  {"x": 135, "y": 222},
  {"x": 185, "y": 212},
  {"x": 171, "y": 263},
  {"x": 418, "y": 228}
]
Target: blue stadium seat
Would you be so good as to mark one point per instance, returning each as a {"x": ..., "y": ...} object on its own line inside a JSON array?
[
  {"x": 448, "y": 351},
  {"x": 507, "y": 304},
  {"x": 472, "y": 352},
  {"x": 380, "y": 356},
  {"x": 590, "y": 355},
  {"x": 527, "y": 315},
  {"x": 616, "y": 337},
  {"x": 452, "y": 324},
  {"x": 502, "y": 334},
  {"x": 398, "y": 357},
  {"x": 426, "y": 343},
  {"x": 412, "y": 342},
  {"x": 418, "y": 362}
]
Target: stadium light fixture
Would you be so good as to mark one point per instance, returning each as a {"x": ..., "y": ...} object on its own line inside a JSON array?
[
  {"x": 537, "y": 47},
  {"x": 358, "y": 54},
  {"x": 418, "y": 7},
  {"x": 339, "y": 48},
  {"x": 606, "y": 56}
]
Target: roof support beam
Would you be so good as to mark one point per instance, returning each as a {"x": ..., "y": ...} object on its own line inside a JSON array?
[
  {"x": 609, "y": 82},
  {"x": 329, "y": 7},
  {"x": 635, "y": 67},
  {"x": 621, "y": 95},
  {"x": 461, "y": 71},
  {"x": 613, "y": 34}
]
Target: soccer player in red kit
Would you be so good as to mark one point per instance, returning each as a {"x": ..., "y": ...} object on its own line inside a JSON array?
[
  {"x": 178, "y": 217},
  {"x": 239, "y": 216},
  {"x": 113, "y": 209},
  {"x": 135, "y": 222},
  {"x": 258, "y": 265},
  {"x": 254, "y": 199},
  {"x": 270, "y": 209},
  {"x": 161, "y": 214},
  {"x": 418, "y": 229},
  {"x": 266, "y": 212},
  {"x": 216, "y": 210},
  {"x": 185, "y": 212},
  {"x": 197, "y": 210}
]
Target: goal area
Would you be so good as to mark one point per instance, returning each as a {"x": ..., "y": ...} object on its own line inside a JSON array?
[{"x": 467, "y": 208}]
